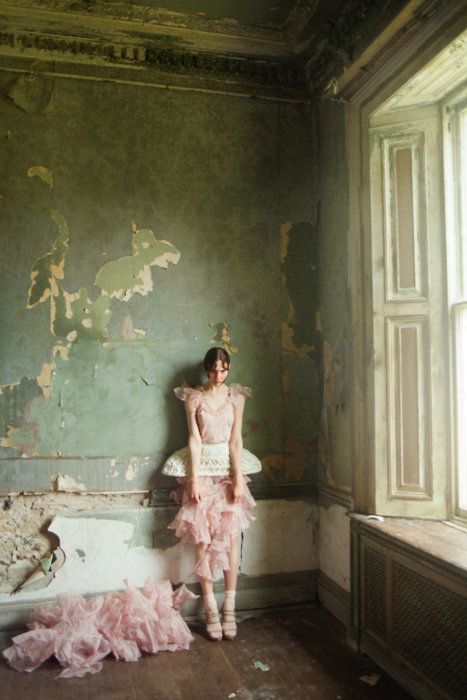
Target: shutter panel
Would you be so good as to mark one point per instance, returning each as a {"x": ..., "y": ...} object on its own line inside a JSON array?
[{"x": 407, "y": 238}]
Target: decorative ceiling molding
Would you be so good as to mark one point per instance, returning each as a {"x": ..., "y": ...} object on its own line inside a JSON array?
[
  {"x": 120, "y": 35},
  {"x": 283, "y": 80},
  {"x": 323, "y": 46}
]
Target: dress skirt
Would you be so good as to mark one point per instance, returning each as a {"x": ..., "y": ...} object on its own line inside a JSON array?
[{"x": 214, "y": 521}]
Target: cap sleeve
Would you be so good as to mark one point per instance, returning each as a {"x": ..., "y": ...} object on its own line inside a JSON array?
[
  {"x": 191, "y": 396},
  {"x": 237, "y": 390}
]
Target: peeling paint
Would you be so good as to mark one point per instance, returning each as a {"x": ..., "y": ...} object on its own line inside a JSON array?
[
  {"x": 32, "y": 93},
  {"x": 132, "y": 469},
  {"x": 132, "y": 274},
  {"x": 45, "y": 378},
  {"x": 25, "y": 540},
  {"x": 64, "y": 482},
  {"x": 288, "y": 343},
  {"x": 285, "y": 232},
  {"x": 222, "y": 337},
  {"x": 42, "y": 173},
  {"x": 47, "y": 269}
]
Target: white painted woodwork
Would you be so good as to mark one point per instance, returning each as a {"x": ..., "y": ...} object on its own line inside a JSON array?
[{"x": 408, "y": 324}]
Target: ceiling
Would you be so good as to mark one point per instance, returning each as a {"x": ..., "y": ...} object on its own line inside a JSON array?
[
  {"x": 269, "y": 43},
  {"x": 262, "y": 12}
]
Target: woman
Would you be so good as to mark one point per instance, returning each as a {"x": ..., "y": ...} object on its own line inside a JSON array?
[{"x": 215, "y": 500}]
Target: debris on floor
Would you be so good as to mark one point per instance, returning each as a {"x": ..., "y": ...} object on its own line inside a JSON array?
[
  {"x": 372, "y": 679},
  {"x": 260, "y": 665}
]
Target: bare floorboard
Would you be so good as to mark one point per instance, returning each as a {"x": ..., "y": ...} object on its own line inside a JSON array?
[{"x": 304, "y": 651}]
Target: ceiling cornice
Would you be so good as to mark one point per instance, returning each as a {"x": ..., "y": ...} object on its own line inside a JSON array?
[{"x": 249, "y": 59}]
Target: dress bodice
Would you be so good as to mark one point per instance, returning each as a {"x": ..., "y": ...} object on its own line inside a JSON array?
[{"x": 215, "y": 425}]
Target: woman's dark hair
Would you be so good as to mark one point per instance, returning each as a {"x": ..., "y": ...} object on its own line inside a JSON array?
[{"x": 214, "y": 355}]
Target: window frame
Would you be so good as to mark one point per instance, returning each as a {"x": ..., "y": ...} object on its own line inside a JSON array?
[
  {"x": 364, "y": 95},
  {"x": 456, "y": 258}
]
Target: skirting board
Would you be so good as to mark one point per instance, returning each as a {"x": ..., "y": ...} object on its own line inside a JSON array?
[
  {"x": 253, "y": 593},
  {"x": 334, "y": 598}
]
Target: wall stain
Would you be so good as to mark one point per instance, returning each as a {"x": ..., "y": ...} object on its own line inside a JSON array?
[
  {"x": 42, "y": 173},
  {"x": 74, "y": 318},
  {"x": 221, "y": 336},
  {"x": 132, "y": 274}
]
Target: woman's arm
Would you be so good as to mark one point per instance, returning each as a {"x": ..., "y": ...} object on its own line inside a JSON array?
[
  {"x": 235, "y": 449},
  {"x": 194, "y": 448}
]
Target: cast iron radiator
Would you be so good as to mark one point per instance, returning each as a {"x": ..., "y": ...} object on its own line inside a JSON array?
[{"x": 409, "y": 613}]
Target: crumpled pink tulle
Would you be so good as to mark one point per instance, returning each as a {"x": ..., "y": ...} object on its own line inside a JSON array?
[
  {"x": 82, "y": 632},
  {"x": 213, "y": 521}
]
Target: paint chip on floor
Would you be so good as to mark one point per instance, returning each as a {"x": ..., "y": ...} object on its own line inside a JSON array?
[
  {"x": 260, "y": 666},
  {"x": 372, "y": 679}
]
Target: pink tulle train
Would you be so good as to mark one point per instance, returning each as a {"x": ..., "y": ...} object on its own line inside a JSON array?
[
  {"x": 81, "y": 632},
  {"x": 213, "y": 521}
]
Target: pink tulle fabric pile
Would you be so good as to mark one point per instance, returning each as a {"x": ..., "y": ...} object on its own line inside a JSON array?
[
  {"x": 213, "y": 521},
  {"x": 81, "y": 632}
]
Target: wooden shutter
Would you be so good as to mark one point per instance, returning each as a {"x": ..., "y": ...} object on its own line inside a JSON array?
[{"x": 409, "y": 333}]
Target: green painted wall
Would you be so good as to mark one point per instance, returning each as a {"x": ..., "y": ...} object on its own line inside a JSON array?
[
  {"x": 335, "y": 443},
  {"x": 94, "y": 175}
]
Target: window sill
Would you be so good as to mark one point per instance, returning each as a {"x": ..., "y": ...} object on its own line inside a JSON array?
[{"x": 434, "y": 539}]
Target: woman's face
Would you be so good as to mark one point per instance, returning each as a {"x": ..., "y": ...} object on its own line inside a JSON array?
[{"x": 218, "y": 374}]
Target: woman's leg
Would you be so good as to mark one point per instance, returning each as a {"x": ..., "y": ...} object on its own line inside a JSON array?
[
  {"x": 213, "y": 623},
  {"x": 229, "y": 625}
]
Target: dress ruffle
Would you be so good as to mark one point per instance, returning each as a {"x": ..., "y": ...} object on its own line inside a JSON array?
[
  {"x": 213, "y": 521},
  {"x": 187, "y": 393},
  {"x": 81, "y": 632}
]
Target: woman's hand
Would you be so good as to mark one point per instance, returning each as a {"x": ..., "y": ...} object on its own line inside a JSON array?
[
  {"x": 193, "y": 490},
  {"x": 238, "y": 488}
]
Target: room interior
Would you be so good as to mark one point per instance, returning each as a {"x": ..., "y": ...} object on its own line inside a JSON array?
[{"x": 282, "y": 179}]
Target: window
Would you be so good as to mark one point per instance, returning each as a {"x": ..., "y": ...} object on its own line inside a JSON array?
[
  {"x": 455, "y": 165},
  {"x": 418, "y": 193}
]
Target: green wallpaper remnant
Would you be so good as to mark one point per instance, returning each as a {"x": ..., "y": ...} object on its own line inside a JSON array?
[
  {"x": 335, "y": 434},
  {"x": 161, "y": 235}
]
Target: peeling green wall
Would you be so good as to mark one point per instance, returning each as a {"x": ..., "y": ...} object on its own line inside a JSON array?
[
  {"x": 152, "y": 225},
  {"x": 335, "y": 442}
]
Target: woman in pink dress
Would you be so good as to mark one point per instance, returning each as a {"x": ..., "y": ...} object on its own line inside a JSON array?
[{"x": 215, "y": 501}]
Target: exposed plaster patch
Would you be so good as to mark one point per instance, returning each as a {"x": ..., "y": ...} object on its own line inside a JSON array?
[
  {"x": 132, "y": 469},
  {"x": 24, "y": 539},
  {"x": 46, "y": 377},
  {"x": 132, "y": 274},
  {"x": 43, "y": 173},
  {"x": 44, "y": 574},
  {"x": 47, "y": 269},
  {"x": 64, "y": 482},
  {"x": 24, "y": 438},
  {"x": 222, "y": 337},
  {"x": 288, "y": 343},
  {"x": 285, "y": 231}
]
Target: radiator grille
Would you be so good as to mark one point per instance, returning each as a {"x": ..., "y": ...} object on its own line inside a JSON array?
[
  {"x": 375, "y": 582},
  {"x": 430, "y": 628}
]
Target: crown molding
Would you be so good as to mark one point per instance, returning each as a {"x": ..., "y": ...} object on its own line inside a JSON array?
[
  {"x": 173, "y": 47},
  {"x": 122, "y": 21}
]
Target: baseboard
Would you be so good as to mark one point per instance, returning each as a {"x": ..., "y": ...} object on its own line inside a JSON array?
[
  {"x": 253, "y": 593},
  {"x": 334, "y": 598}
]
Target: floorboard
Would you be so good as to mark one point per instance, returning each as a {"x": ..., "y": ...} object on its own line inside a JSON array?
[{"x": 304, "y": 652}]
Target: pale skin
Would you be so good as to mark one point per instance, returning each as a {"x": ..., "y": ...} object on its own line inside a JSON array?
[{"x": 216, "y": 395}]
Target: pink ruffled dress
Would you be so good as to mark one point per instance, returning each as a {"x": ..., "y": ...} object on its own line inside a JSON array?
[
  {"x": 214, "y": 520},
  {"x": 81, "y": 632}
]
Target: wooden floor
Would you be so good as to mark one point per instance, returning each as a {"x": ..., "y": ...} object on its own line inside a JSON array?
[{"x": 304, "y": 651}]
